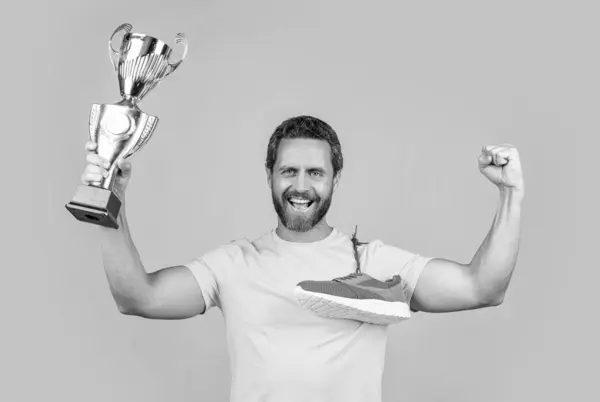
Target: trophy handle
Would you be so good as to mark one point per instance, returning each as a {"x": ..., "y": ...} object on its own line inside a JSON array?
[
  {"x": 114, "y": 54},
  {"x": 179, "y": 39}
]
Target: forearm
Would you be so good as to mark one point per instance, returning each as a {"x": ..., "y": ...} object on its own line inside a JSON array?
[
  {"x": 495, "y": 260},
  {"x": 126, "y": 274}
]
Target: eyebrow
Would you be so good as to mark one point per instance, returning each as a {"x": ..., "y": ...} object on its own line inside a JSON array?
[{"x": 315, "y": 169}]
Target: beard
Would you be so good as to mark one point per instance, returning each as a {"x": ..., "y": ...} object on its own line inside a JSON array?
[{"x": 301, "y": 221}]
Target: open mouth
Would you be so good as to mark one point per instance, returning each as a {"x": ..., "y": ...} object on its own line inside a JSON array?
[{"x": 300, "y": 204}]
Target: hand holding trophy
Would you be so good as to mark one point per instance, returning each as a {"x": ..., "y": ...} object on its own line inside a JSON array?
[{"x": 120, "y": 130}]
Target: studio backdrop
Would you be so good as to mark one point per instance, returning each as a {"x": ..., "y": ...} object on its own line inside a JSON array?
[{"x": 414, "y": 89}]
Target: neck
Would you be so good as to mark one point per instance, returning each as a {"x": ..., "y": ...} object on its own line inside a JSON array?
[{"x": 317, "y": 233}]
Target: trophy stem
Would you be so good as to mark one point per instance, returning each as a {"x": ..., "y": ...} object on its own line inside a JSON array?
[
  {"x": 110, "y": 179},
  {"x": 128, "y": 101}
]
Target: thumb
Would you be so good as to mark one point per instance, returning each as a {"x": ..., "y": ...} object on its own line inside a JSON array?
[
  {"x": 484, "y": 160},
  {"x": 125, "y": 167}
]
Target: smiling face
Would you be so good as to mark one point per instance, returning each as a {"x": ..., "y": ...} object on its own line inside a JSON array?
[{"x": 302, "y": 183}]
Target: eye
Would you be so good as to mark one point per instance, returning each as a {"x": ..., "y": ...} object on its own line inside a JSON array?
[{"x": 319, "y": 174}]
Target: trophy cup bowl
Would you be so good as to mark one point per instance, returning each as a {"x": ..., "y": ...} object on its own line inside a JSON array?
[{"x": 122, "y": 129}]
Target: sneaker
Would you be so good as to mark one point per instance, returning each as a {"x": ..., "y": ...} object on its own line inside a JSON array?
[{"x": 357, "y": 296}]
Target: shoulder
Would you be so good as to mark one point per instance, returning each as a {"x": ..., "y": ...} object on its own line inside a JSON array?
[
  {"x": 378, "y": 249},
  {"x": 385, "y": 260},
  {"x": 227, "y": 254},
  {"x": 236, "y": 250}
]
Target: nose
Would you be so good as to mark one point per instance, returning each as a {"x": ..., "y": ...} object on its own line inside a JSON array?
[{"x": 300, "y": 183}]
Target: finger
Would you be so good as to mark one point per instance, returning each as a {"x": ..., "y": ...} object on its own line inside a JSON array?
[
  {"x": 491, "y": 150},
  {"x": 88, "y": 178},
  {"x": 487, "y": 149},
  {"x": 500, "y": 159},
  {"x": 97, "y": 160},
  {"x": 90, "y": 146},
  {"x": 94, "y": 169},
  {"x": 484, "y": 159},
  {"x": 491, "y": 146},
  {"x": 500, "y": 154},
  {"x": 504, "y": 155}
]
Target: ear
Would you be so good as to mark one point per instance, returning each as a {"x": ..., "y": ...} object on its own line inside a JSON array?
[
  {"x": 336, "y": 180},
  {"x": 268, "y": 171}
]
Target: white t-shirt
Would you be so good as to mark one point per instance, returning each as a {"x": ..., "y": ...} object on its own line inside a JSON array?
[{"x": 280, "y": 352}]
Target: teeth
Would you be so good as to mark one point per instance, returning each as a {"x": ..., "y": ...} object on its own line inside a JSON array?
[{"x": 299, "y": 201}]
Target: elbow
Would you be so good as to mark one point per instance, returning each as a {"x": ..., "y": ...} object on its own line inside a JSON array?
[
  {"x": 496, "y": 302},
  {"x": 490, "y": 295},
  {"x": 137, "y": 309},
  {"x": 493, "y": 300},
  {"x": 126, "y": 310},
  {"x": 127, "y": 306}
]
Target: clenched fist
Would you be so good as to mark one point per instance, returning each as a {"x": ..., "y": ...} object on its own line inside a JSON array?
[
  {"x": 97, "y": 170},
  {"x": 502, "y": 166}
]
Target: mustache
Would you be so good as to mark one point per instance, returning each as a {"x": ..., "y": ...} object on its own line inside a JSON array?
[{"x": 299, "y": 195}]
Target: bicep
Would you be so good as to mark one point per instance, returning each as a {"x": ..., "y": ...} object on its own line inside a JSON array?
[
  {"x": 175, "y": 294},
  {"x": 445, "y": 286}
]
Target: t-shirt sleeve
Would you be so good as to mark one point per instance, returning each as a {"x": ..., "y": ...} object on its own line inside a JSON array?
[
  {"x": 384, "y": 261},
  {"x": 211, "y": 270}
]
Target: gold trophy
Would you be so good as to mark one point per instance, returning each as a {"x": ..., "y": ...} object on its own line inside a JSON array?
[{"x": 122, "y": 129}]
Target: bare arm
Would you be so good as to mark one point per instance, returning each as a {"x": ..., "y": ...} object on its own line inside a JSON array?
[
  {"x": 168, "y": 294},
  {"x": 446, "y": 286}
]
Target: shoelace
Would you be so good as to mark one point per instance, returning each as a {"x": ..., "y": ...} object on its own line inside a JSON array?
[
  {"x": 355, "y": 244},
  {"x": 350, "y": 276}
]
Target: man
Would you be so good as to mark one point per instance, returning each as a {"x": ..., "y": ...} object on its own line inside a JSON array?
[{"x": 278, "y": 350}]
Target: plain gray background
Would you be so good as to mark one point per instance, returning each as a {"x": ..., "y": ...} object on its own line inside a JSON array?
[{"x": 413, "y": 88}]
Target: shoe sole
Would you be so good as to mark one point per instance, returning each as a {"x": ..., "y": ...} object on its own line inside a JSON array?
[{"x": 371, "y": 311}]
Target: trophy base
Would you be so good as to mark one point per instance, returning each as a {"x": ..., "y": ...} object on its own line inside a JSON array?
[{"x": 95, "y": 205}]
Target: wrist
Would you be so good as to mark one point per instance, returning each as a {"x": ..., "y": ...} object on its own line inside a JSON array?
[
  {"x": 514, "y": 193},
  {"x": 121, "y": 221}
]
